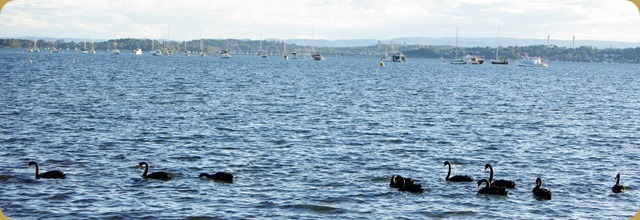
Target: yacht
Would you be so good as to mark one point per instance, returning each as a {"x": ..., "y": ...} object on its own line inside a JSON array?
[
  {"x": 317, "y": 55},
  {"x": 528, "y": 61},
  {"x": 224, "y": 54}
]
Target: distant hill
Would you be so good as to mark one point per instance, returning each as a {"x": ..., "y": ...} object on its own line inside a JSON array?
[{"x": 463, "y": 42}]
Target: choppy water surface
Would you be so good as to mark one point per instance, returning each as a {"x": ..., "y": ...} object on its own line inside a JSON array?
[{"x": 311, "y": 139}]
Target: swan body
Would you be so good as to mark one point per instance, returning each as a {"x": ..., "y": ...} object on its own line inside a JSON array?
[
  {"x": 504, "y": 183},
  {"x": 405, "y": 184},
  {"x": 456, "y": 178},
  {"x": 540, "y": 192},
  {"x": 54, "y": 174},
  {"x": 219, "y": 176},
  {"x": 154, "y": 175},
  {"x": 490, "y": 189},
  {"x": 618, "y": 188}
]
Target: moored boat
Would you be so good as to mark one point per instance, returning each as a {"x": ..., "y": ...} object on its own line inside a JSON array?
[{"x": 528, "y": 61}]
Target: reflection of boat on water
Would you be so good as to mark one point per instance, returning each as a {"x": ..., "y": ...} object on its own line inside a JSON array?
[{"x": 528, "y": 61}]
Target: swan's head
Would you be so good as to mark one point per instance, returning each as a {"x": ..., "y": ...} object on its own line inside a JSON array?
[
  {"x": 395, "y": 181},
  {"x": 33, "y": 163},
  {"x": 203, "y": 175},
  {"x": 617, "y": 176},
  {"x": 447, "y": 163},
  {"x": 141, "y": 164},
  {"x": 487, "y": 166},
  {"x": 538, "y": 181}
]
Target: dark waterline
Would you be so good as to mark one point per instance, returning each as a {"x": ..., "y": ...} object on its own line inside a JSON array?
[{"x": 312, "y": 140}]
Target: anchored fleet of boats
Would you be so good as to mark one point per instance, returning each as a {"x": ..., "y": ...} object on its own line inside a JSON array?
[{"x": 393, "y": 55}]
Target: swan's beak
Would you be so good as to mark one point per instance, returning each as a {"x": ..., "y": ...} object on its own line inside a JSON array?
[{"x": 139, "y": 166}]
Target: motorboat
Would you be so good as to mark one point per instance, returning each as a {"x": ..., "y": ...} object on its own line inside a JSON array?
[{"x": 528, "y": 61}]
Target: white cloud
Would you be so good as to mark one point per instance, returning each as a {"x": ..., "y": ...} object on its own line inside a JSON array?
[{"x": 332, "y": 19}]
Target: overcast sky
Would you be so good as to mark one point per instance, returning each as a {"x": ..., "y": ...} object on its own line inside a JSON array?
[{"x": 609, "y": 20}]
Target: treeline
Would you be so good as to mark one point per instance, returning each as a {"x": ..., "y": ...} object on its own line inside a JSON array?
[
  {"x": 235, "y": 46},
  {"x": 553, "y": 53}
]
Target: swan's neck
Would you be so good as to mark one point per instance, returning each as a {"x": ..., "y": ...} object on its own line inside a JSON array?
[
  {"x": 490, "y": 174},
  {"x": 448, "y": 173},
  {"x": 488, "y": 184},
  {"x": 37, "y": 171},
  {"x": 146, "y": 169},
  {"x": 617, "y": 180}
]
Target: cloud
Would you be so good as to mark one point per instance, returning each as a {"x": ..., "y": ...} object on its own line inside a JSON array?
[{"x": 332, "y": 19}]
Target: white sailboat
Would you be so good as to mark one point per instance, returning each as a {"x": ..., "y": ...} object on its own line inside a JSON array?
[
  {"x": 84, "y": 48},
  {"x": 154, "y": 51},
  {"x": 284, "y": 51},
  {"x": 202, "y": 53},
  {"x": 457, "y": 60},
  {"x": 35, "y": 45},
  {"x": 93, "y": 47},
  {"x": 224, "y": 54},
  {"x": 186, "y": 51},
  {"x": 260, "y": 52},
  {"x": 498, "y": 60},
  {"x": 115, "y": 47},
  {"x": 54, "y": 49},
  {"x": 315, "y": 54}
]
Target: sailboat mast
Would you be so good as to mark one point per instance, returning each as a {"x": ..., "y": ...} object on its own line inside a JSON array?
[{"x": 497, "y": 46}]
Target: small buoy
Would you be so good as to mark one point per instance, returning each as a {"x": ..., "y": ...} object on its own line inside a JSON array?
[
  {"x": 30, "y": 61},
  {"x": 381, "y": 63},
  {"x": 73, "y": 60}
]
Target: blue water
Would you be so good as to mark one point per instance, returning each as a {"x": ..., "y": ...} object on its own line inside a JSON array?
[{"x": 313, "y": 140}]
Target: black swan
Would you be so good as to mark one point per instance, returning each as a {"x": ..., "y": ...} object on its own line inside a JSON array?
[
  {"x": 490, "y": 189},
  {"x": 219, "y": 176},
  {"x": 617, "y": 188},
  {"x": 405, "y": 184},
  {"x": 456, "y": 178},
  {"x": 505, "y": 183},
  {"x": 54, "y": 174},
  {"x": 540, "y": 192},
  {"x": 154, "y": 175}
]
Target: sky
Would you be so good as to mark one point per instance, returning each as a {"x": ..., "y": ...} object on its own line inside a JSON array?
[{"x": 607, "y": 20}]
